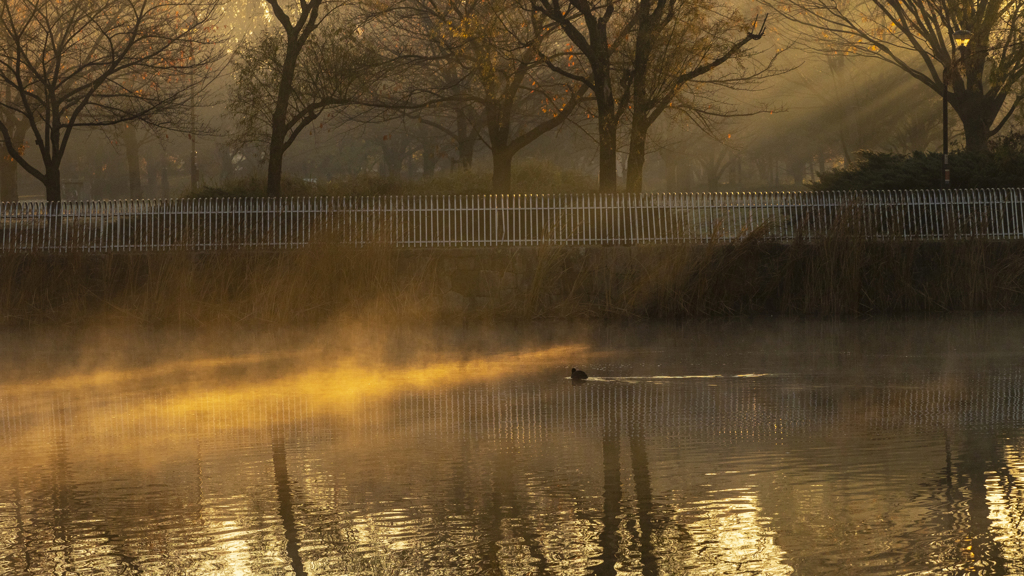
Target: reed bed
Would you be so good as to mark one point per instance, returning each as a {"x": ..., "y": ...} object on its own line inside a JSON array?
[{"x": 835, "y": 274}]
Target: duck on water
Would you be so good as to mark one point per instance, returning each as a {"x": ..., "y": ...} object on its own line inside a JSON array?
[{"x": 578, "y": 374}]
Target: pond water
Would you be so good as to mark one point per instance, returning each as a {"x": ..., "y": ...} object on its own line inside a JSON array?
[{"x": 727, "y": 447}]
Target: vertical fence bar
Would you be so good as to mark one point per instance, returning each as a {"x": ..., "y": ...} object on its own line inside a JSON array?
[
  {"x": 517, "y": 218},
  {"x": 1014, "y": 209},
  {"x": 441, "y": 220},
  {"x": 997, "y": 213},
  {"x": 638, "y": 221},
  {"x": 531, "y": 219},
  {"x": 446, "y": 220},
  {"x": 430, "y": 215},
  {"x": 444, "y": 213},
  {"x": 709, "y": 199},
  {"x": 643, "y": 208},
  {"x": 424, "y": 219},
  {"x": 661, "y": 231},
  {"x": 1018, "y": 212},
  {"x": 1012, "y": 231},
  {"x": 572, "y": 218}
]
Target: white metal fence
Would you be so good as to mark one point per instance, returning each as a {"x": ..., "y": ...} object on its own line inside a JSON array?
[{"x": 506, "y": 220}]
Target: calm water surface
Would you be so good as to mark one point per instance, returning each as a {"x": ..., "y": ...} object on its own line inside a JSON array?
[{"x": 739, "y": 447}]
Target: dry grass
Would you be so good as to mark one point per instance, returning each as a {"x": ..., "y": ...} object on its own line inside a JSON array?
[
  {"x": 839, "y": 274},
  {"x": 196, "y": 289}
]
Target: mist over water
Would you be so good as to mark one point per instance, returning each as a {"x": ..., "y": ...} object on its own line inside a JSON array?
[{"x": 727, "y": 447}]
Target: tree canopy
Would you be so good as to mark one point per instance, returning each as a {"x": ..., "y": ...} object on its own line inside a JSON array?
[
  {"x": 95, "y": 63},
  {"x": 983, "y": 78}
]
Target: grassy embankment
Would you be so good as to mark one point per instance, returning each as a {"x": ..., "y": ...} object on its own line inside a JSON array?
[
  {"x": 834, "y": 275},
  {"x": 837, "y": 273}
]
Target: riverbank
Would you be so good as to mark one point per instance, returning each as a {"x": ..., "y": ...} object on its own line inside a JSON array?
[{"x": 320, "y": 283}]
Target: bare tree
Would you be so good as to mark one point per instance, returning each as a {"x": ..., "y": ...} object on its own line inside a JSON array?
[
  {"x": 95, "y": 63},
  {"x": 597, "y": 29},
  {"x": 434, "y": 39},
  {"x": 296, "y": 34},
  {"x": 287, "y": 78},
  {"x": 678, "y": 44},
  {"x": 917, "y": 37},
  {"x": 640, "y": 55},
  {"x": 521, "y": 98},
  {"x": 490, "y": 73}
]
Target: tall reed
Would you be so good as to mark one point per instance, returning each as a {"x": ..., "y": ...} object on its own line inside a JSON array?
[{"x": 838, "y": 273}]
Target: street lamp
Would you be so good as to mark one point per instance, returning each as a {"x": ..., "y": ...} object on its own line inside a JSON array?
[{"x": 961, "y": 38}]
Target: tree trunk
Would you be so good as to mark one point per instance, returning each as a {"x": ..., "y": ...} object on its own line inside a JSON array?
[
  {"x": 976, "y": 105},
  {"x": 499, "y": 135},
  {"x": 275, "y": 165},
  {"x": 227, "y": 168},
  {"x": 638, "y": 128},
  {"x": 410, "y": 168},
  {"x": 606, "y": 143},
  {"x": 131, "y": 144},
  {"x": 9, "y": 166},
  {"x": 637, "y": 156},
  {"x": 976, "y": 131},
  {"x": 52, "y": 182},
  {"x": 279, "y": 119},
  {"x": 466, "y": 154},
  {"x": 393, "y": 155},
  {"x": 467, "y": 140},
  {"x": 8, "y": 179},
  {"x": 501, "y": 177}
]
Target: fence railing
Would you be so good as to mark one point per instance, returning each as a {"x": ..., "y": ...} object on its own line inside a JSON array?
[{"x": 506, "y": 220}]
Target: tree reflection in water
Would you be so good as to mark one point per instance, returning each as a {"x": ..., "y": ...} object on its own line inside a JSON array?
[
  {"x": 284, "y": 498},
  {"x": 529, "y": 475},
  {"x": 609, "y": 539}
]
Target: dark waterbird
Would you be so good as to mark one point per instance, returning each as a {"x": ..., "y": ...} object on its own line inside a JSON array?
[{"x": 578, "y": 374}]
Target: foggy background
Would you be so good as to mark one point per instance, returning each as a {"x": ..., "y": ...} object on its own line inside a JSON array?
[{"x": 812, "y": 113}]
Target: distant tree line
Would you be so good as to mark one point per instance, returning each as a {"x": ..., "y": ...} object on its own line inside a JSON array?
[
  {"x": 502, "y": 72},
  {"x": 446, "y": 78}
]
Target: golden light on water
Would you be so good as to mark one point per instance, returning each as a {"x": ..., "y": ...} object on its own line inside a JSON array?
[
  {"x": 245, "y": 459},
  {"x": 227, "y": 392},
  {"x": 1004, "y": 495},
  {"x": 735, "y": 533}
]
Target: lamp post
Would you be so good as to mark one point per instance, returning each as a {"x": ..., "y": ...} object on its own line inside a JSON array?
[{"x": 961, "y": 38}]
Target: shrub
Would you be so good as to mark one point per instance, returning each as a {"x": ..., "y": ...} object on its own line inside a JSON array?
[
  {"x": 254, "y": 187},
  {"x": 1002, "y": 166}
]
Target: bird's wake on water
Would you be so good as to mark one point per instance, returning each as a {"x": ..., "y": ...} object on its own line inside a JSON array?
[{"x": 663, "y": 377}]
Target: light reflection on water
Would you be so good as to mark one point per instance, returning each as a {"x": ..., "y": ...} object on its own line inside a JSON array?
[{"x": 745, "y": 448}]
